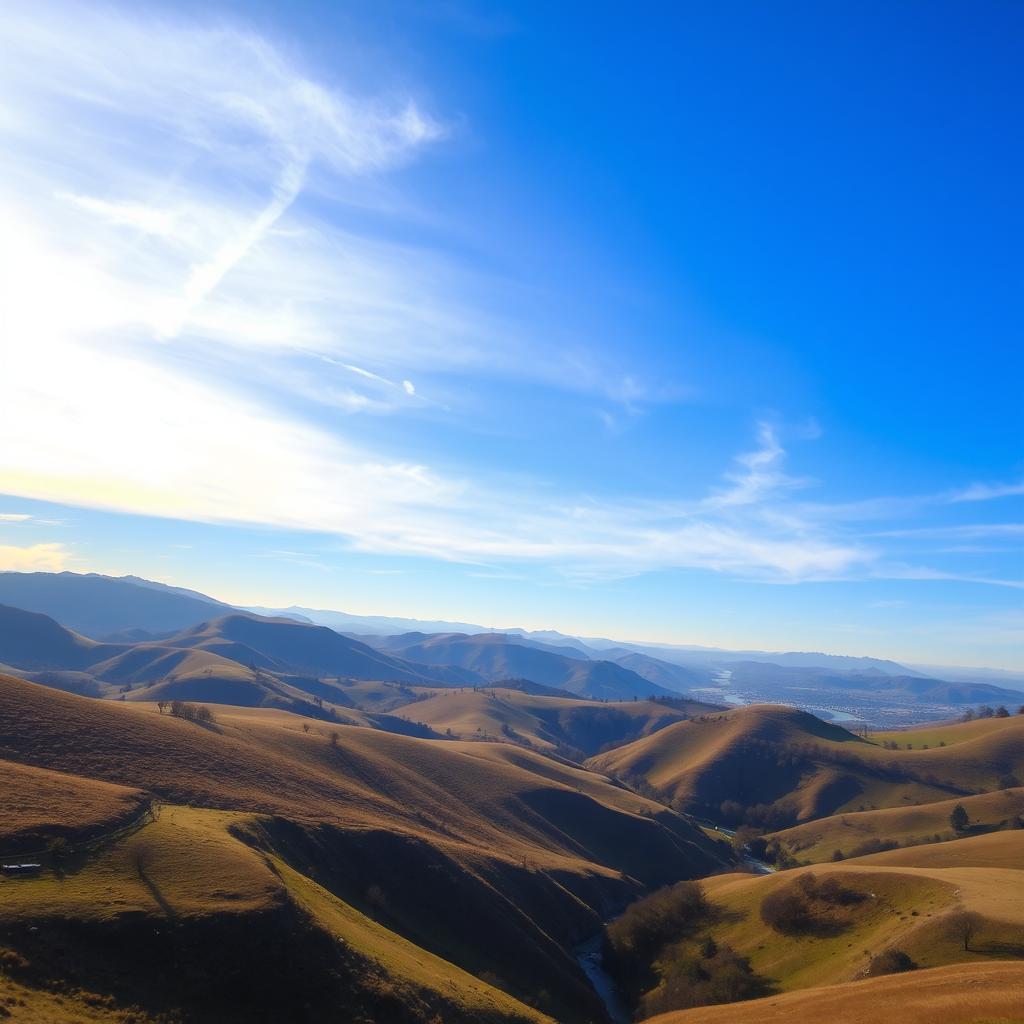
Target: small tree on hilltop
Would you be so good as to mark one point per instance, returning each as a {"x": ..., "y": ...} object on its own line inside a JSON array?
[
  {"x": 959, "y": 818},
  {"x": 1002, "y": 712}
]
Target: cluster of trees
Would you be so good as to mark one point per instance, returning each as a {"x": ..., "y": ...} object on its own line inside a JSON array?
[
  {"x": 987, "y": 712},
  {"x": 807, "y": 906},
  {"x": 662, "y": 957},
  {"x": 189, "y": 712}
]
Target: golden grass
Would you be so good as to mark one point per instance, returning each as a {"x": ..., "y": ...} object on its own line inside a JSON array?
[
  {"x": 37, "y": 804},
  {"x": 816, "y": 841},
  {"x": 183, "y": 863},
  {"x": 545, "y": 723},
  {"x": 990, "y": 993},
  {"x": 949, "y": 733},
  {"x": 906, "y": 906},
  {"x": 810, "y": 769},
  {"x": 494, "y": 819}
]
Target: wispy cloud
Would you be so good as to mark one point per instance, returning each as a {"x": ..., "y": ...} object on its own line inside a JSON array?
[
  {"x": 33, "y": 558},
  {"x": 14, "y": 517},
  {"x": 173, "y": 290}
]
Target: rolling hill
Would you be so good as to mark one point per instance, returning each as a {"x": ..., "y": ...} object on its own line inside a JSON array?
[
  {"x": 492, "y": 858},
  {"x": 774, "y": 766},
  {"x": 575, "y": 728},
  {"x": 957, "y": 994},
  {"x": 906, "y": 826}
]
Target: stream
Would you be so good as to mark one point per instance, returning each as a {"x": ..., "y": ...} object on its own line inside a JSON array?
[{"x": 589, "y": 956}]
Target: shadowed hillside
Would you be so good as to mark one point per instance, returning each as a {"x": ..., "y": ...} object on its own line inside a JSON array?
[
  {"x": 552, "y": 724},
  {"x": 772, "y": 766}
]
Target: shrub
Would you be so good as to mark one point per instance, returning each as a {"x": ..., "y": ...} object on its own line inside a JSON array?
[
  {"x": 807, "y": 906},
  {"x": 651, "y": 923},
  {"x": 873, "y": 845},
  {"x": 890, "y": 961},
  {"x": 192, "y": 712},
  {"x": 689, "y": 979}
]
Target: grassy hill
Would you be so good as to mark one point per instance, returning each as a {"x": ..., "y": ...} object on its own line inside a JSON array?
[
  {"x": 774, "y": 766},
  {"x": 553, "y": 724},
  {"x": 37, "y": 805},
  {"x": 977, "y": 993},
  {"x": 494, "y": 858},
  {"x": 906, "y": 826}
]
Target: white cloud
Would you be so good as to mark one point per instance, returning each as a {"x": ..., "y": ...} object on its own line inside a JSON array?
[
  {"x": 14, "y": 517},
  {"x": 988, "y": 492},
  {"x": 34, "y": 558},
  {"x": 408, "y": 387}
]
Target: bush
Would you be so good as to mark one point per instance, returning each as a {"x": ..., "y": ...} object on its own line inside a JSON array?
[
  {"x": 689, "y": 979},
  {"x": 807, "y": 906},
  {"x": 873, "y": 845},
  {"x": 890, "y": 961},
  {"x": 192, "y": 712},
  {"x": 651, "y": 923}
]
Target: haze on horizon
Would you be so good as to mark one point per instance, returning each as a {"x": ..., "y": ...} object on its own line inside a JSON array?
[{"x": 419, "y": 310}]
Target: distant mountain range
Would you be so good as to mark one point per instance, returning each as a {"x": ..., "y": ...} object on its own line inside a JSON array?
[{"x": 101, "y": 632}]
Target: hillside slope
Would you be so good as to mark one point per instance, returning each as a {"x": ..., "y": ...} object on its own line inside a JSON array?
[
  {"x": 773, "y": 766},
  {"x": 411, "y": 832},
  {"x": 573, "y": 727},
  {"x": 957, "y": 994},
  {"x": 818, "y": 840}
]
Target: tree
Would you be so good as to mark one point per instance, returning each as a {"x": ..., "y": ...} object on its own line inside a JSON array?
[
  {"x": 335, "y": 736},
  {"x": 305, "y": 726},
  {"x": 1002, "y": 712},
  {"x": 963, "y": 926},
  {"x": 162, "y": 706},
  {"x": 959, "y": 818}
]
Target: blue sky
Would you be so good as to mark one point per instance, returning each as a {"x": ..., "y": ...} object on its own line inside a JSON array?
[{"x": 688, "y": 322}]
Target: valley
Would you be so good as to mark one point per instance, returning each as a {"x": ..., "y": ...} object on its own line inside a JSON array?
[{"x": 321, "y": 821}]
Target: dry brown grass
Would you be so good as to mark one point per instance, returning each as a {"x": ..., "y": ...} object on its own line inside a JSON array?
[
  {"x": 990, "y": 993},
  {"x": 37, "y": 805},
  {"x": 765, "y": 754},
  {"x": 817, "y": 840},
  {"x": 551, "y": 724}
]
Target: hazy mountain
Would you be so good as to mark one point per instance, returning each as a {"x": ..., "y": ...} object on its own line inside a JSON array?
[
  {"x": 99, "y": 606},
  {"x": 497, "y": 656},
  {"x": 366, "y": 624},
  {"x": 301, "y": 647}
]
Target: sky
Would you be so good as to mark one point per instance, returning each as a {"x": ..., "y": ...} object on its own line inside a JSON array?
[{"x": 675, "y": 322}]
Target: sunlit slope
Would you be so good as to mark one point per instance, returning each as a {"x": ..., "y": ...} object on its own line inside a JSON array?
[
  {"x": 993, "y": 850},
  {"x": 184, "y": 893},
  {"x": 902, "y": 906},
  {"x": 37, "y": 806},
  {"x": 547, "y": 723},
  {"x": 979, "y": 993},
  {"x": 487, "y": 854},
  {"x": 799, "y": 768},
  {"x": 818, "y": 840}
]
